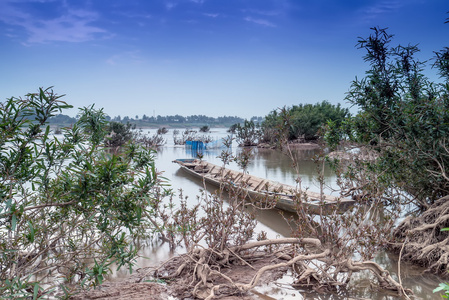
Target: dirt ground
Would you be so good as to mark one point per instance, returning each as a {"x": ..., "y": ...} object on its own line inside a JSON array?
[
  {"x": 126, "y": 290},
  {"x": 141, "y": 286}
]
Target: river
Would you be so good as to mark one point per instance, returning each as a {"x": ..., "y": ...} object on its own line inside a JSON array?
[{"x": 276, "y": 166}]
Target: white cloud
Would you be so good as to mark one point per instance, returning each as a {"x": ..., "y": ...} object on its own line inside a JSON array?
[
  {"x": 126, "y": 58},
  {"x": 133, "y": 15},
  {"x": 268, "y": 13},
  {"x": 262, "y": 22},
  {"x": 67, "y": 28},
  {"x": 381, "y": 8},
  {"x": 170, "y": 5},
  {"x": 211, "y": 15},
  {"x": 73, "y": 25},
  {"x": 279, "y": 8}
]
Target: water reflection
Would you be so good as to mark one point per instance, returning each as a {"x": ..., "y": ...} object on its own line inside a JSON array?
[
  {"x": 270, "y": 220},
  {"x": 412, "y": 276}
]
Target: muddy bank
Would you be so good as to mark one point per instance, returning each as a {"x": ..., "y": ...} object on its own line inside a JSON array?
[{"x": 143, "y": 286}]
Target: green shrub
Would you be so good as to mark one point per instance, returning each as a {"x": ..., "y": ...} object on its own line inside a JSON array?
[
  {"x": 403, "y": 117},
  {"x": 68, "y": 209}
]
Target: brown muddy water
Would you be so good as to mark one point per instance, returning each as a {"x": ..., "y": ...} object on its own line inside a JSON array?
[{"x": 276, "y": 166}]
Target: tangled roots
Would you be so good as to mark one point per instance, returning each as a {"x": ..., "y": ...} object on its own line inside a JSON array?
[
  {"x": 423, "y": 241},
  {"x": 210, "y": 273}
]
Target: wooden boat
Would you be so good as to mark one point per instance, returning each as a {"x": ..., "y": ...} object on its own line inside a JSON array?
[{"x": 259, "y": 190}]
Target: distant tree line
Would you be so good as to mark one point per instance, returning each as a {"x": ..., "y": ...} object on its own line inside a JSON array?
[
  {"x": 178, "y": 119},
  {"x": 62, "y": 119}
]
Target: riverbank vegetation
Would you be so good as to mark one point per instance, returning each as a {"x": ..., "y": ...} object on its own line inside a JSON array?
[
  {"x": 223, "y": 258},
  {"x": 304, "y": 121},
  {"x": 404, "y": 120},
  {"x": 71, "y": 207},
  {"x": 296, "y": 124}
]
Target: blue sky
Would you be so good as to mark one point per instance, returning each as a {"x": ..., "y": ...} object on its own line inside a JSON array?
[{"x": 211, "y": 57}]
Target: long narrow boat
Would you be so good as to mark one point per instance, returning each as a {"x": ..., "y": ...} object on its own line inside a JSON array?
[{"x": 257, "y": 189}]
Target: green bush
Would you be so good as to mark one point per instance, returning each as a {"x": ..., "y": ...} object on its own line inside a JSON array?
[
  {"x": 68, "y": 209},
  {"x": 247, "y": 134},
  {"x": 304, "y": 120},
  {"x": 403, "y": 117},
  {"x": 118, "y": 134}
]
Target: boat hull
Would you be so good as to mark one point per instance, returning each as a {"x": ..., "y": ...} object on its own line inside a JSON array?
[{"x": 264, "y": 191}]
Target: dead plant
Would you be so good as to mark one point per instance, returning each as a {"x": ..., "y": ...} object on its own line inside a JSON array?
[{"x": 326, "y": 250}]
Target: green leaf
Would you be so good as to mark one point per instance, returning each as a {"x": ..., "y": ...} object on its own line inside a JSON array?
[
  {"x": 36, "y": 291},
  {"x": 444, "y": 229},
  {"x": 47, "y": 132},
  {"x": 13, "y": 222},
  {"x": 441, "y": 287},
  {"x": 32, "y": 232}
]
